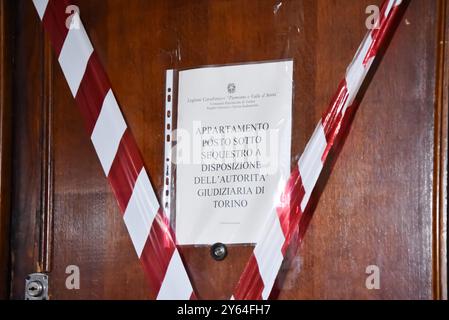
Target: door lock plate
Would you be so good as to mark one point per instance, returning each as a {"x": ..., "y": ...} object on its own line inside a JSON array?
[{"x": 36, "y": 287}]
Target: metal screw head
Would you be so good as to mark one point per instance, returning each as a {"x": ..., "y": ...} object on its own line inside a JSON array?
[
  {"x": 35, "y": 288},
  {"x": 218, "y": 251}
]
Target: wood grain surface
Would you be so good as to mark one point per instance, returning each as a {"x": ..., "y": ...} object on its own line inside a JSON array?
[
  {"x": 6, "y": 62},
  {"x": 377, "y": 207}
]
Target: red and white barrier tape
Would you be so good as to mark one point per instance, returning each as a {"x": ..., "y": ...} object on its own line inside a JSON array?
[
  {"x": 123, "y": 165},
  {"x": 260, "y": 273},
  {"x": 118, "y": 153}
]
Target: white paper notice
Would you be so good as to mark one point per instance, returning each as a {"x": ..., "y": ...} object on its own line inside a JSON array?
[{"x": 233, "y": 150}]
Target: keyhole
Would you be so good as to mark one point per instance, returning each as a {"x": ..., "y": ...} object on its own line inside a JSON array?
[{"x": 35, "y": 288}]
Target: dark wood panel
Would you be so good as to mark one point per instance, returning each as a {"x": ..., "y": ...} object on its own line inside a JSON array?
[
  {"x": 6, "y": 49},
  {"x": 377, "y": 206},
  {"x": 441, "y": 155},
  {"x": 28, "y": 95}
]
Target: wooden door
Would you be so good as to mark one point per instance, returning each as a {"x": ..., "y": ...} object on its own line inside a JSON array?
[{"x": 383, "y": 203}]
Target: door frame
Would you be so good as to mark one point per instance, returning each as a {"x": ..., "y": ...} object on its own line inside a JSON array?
[
  {"x": 440, "y": 177},
  {"x": 6, "y": 62}
]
